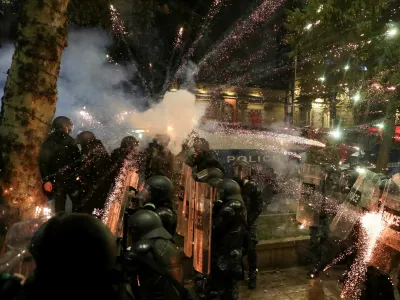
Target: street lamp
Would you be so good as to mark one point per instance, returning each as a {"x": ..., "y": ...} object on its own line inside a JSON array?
[
  {"x": 336, "y": 134},
  {"x": 346, "y": 67},
  {"x": 308, "y": 27},
  {"x": 357, "y": 97},
  {"x": 392, "y": 32},
  {"x": 322, "y": 79}
]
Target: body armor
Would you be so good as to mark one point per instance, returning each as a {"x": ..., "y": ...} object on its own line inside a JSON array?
[
  {"x": 254, "y": 204},
  {"x": 253, "y": 200},
  {"x": 153, "y": 242},
  {"x": 59, "y": 159},
  {"x": 227, "y": 240}
]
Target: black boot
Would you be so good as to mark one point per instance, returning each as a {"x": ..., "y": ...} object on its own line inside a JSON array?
[{"x": 252, "y": 283}]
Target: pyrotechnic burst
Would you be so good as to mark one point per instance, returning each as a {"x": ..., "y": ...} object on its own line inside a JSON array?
[
  {"x": 241, "y": 31},
  {"x": 117, "y": 24},
  {"x": 371, "y": 227},
  {"x": 42, "y": 211},
  {"x": 178, "y": 39},
  {"x": 115, "y": 198},
  {"x": 214, "y": 10}
]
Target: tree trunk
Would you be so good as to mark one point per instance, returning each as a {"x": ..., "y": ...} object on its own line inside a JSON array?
[
  {"x": 29, "y": 101},
  {"x": 388, "y": 133}
]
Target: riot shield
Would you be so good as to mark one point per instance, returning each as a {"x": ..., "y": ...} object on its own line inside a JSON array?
[
  {"x": 189, "y": 214},
  {"x": 202, "y": 228},
  {"x": 312, "y": 195},
  {"x": 364, "y": 195},
  {"x": 391, "y": 215},
  {"x": 118, "y": 200},
  {"x": 386, "y": 259},
  {"x": 17, "y": 259},
  {"x": 181, "y": 227}
]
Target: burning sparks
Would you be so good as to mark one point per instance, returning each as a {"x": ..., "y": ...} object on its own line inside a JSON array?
[
  {"x": 242, "y": 30},
  {"x": 371, "y": 227},
  {"x": 179, "y": 38},
  {"x": 117, "y": 24},
  {"x": 42, "y": 211}
]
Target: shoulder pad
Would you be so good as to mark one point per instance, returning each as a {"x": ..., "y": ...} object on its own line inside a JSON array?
[
  {"x": 142, "y": 247},
  {"x": 251, "y": 184},
  {"x": 165, "y": 212},
  {"x": 235, "y": 204}
]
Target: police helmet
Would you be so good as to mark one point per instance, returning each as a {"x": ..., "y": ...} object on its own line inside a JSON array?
[
  {"x": 129, "y": 142},
  {"x": 229, "y": 189},
  {"x": 241, "y": 170},
  {"x": 85, "y": 137},
  {"x": 209, "y": 174},
  {"x": 162, "y": 139},
  {"x": 200, "y": 145},
  {"x": 62, "y": 124},
  {"x": 146, "y": 224},
  {"x": 157, "y": 188},
  {"x": 74, "y": 244}
]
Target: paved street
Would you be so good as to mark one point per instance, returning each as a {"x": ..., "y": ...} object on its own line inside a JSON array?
[{"x": 292, "y": 284}]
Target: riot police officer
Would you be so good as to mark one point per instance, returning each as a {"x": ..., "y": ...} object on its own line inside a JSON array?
[
  {"x": 229, "y": 227},
  {"x": 254, "y": 203},
  {"x": 95, "y": 172},
  {"x": 157, "y": 196},
  {"x": 157, "y": 158},
  {"x": 58, "y": 162},
  {"x": 203, "y": 158},
  {"x": 128, "y": 150},
  {"x": 75, "y": 256},
  {"x": 152, "y": 244}
]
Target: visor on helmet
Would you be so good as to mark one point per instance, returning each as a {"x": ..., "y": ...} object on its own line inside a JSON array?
[{"x": 241, "y": 172}]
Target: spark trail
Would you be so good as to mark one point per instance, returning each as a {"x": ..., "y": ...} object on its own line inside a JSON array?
[
  {"x": 242, "y": 30},
  {"x": 118, "y": 28},
  {"x": 371, "y": 227},
  {"x": 214, "y": 10},
  {"x": 347, "y": 252}
]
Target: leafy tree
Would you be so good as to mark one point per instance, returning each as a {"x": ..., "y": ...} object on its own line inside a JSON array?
[{"x": 350, "y": 46}]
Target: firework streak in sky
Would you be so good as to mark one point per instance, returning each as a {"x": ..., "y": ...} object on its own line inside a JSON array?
[{"x": 241, "y": 31}]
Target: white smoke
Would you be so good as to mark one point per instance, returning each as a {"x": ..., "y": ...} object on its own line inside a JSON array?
[
  {"x": 177, "y": 115},
  {"x": 6, "y": 53},
  {"x": 98, "y": 96}
]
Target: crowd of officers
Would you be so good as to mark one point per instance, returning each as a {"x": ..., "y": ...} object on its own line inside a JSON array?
[{"x": 75, "y": 254}]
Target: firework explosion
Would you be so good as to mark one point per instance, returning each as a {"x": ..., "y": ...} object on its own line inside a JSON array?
[{"x": 371, "y": 227}]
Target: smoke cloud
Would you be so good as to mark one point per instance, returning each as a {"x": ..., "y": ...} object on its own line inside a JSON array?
[
  {"x": 6, "y": 53},
  {"x": 97, "y": 95},
  {"x": 177, "y": 115}
]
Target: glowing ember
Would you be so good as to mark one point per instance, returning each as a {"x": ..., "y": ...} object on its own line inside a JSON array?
[
  {"x": 42, "y": 211},
  {"x": 371, "y": 227}
]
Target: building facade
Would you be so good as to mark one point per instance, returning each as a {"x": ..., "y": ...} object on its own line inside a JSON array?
[{"x": 257, "y": 108}]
